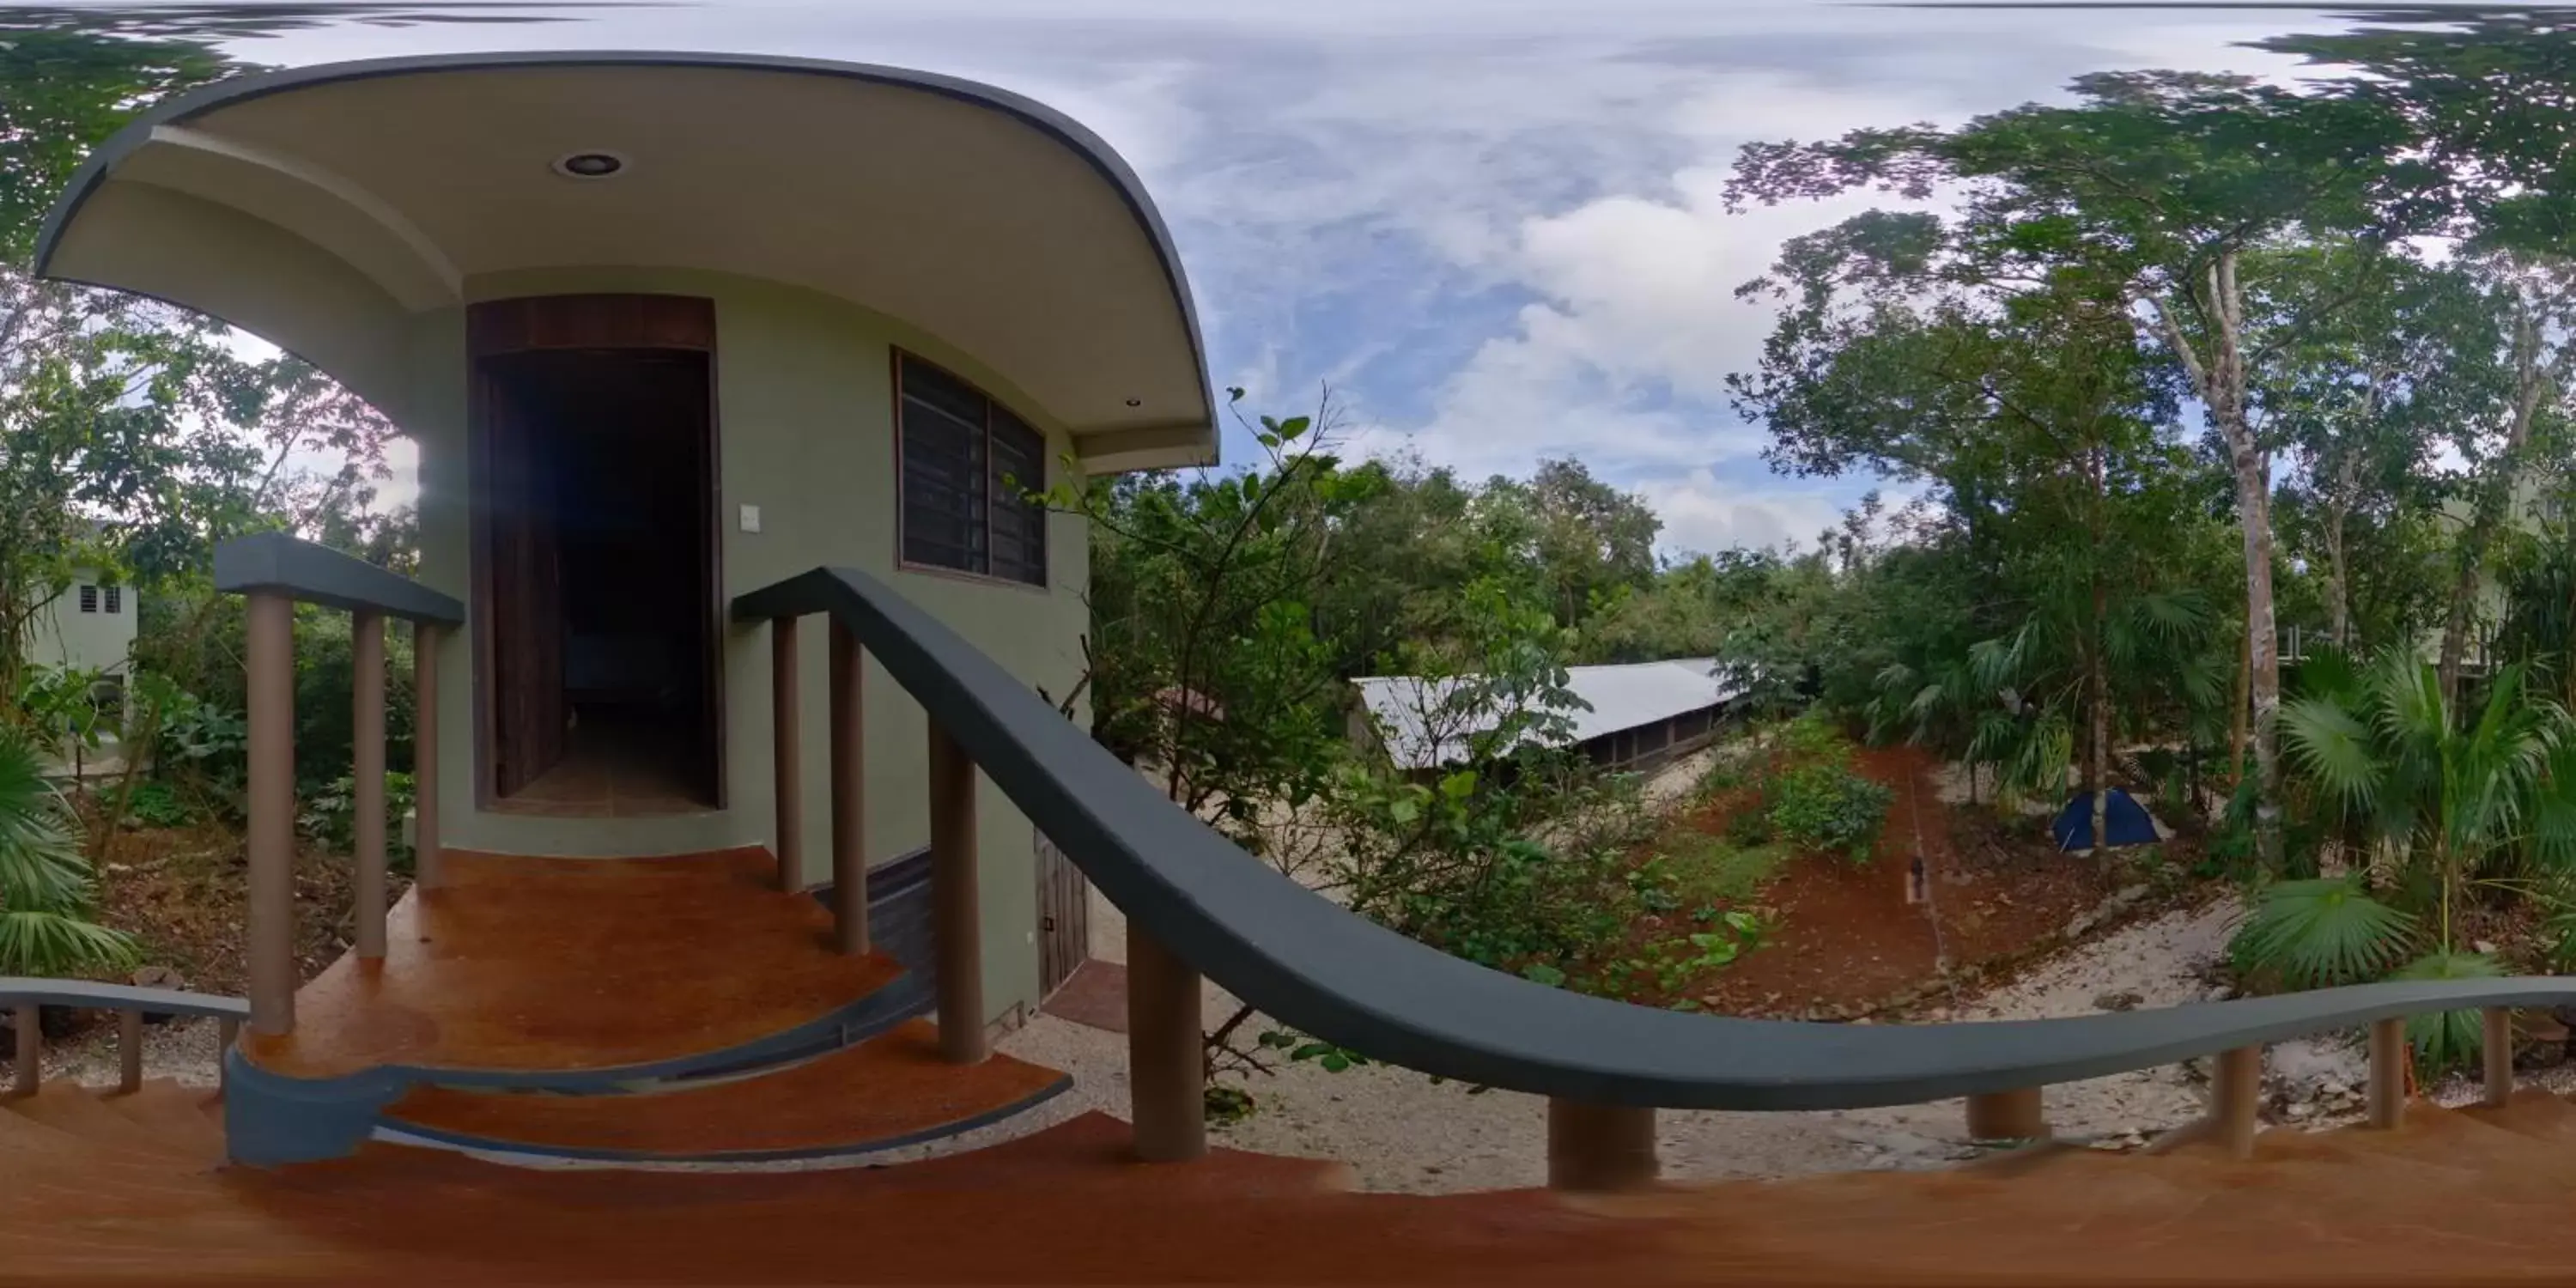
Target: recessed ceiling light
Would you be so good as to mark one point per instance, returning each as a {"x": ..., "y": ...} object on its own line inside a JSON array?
[
  {"x": 589, "y": 165},
  {"x": 1135, "y": 402}
]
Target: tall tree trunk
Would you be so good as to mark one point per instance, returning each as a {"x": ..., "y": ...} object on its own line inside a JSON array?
[
  {"x": 2236, "y": 721},
  {"x": 2341, "y": 493},
  {"x": 2099, "y": 772},
  {"x": 2347, "y": 485},
  {"x": 2220, "y": 378},
  {"x": 2263, "y": 662},
  {"x": 2495, "y": 496},
  {"x": 2097, "y": 777}
]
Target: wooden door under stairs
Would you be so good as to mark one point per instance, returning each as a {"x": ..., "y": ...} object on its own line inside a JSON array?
[{"x": 1064, "y": 917}]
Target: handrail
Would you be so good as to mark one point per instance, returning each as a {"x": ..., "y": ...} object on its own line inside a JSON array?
[
  {"x": 22, "y": 990},
  {"x": 26, "y": 999},
  {"x": 273, "y": 562},
  {"x": 274, "y": 571},
  {"x": 1332, "y": 973}
]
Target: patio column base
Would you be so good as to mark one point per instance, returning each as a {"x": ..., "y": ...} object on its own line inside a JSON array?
[{"x": 1594, "y": 1148}]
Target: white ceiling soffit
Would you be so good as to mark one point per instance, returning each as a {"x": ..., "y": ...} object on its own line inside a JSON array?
[
  {"x": 388, "y": 187},
  {"x": 307, "y": 198}
]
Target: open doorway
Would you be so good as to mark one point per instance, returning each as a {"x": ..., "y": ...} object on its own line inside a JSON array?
[{"x": 598, "y": 573}]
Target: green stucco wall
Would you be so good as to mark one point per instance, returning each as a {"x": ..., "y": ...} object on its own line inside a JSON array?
[{"x": 806, "y": 433}]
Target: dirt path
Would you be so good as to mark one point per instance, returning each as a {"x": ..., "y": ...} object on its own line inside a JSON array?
[{"x": 1844, "y": 939}]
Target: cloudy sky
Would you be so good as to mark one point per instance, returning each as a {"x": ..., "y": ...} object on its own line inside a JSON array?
[{"x": 1492, "y": 227}]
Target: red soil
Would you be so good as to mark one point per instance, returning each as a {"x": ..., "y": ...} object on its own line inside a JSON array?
[{"x": 1841, "y": 937}]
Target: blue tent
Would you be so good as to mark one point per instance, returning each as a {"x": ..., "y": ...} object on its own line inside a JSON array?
[{"x": 2125, "y": 819}]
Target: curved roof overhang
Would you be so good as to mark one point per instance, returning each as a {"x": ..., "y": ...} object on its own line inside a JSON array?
[{"x": 322, "y": 208}]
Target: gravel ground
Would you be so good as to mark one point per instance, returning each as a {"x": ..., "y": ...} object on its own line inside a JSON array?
[
  {"x": 1402, "y": 1131},
  {"x": 1405, "y": 1132},
  {"x": 181, "y": 1049}
]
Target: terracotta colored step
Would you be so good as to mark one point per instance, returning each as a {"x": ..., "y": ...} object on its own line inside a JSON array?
[
  {"x": 529, "y": 965},
  {"x": 80, "y": 1112},
  {"x": 50, "y": 1170},
  {"x": 2535, "y": 1112},
  {"x": 890, "y": 1090},
  {"x": 2438, "y": 1146},
  {"x": 22, "y": 1136},
  {"x": 187, "y": 1117}
]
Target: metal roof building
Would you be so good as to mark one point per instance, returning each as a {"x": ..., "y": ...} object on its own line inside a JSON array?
[{"x": 1628, "y": 713}]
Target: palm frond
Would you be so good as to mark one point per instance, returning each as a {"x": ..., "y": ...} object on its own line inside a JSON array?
[
  {"x": 2173, "y": 618},
  {"x": 41, "y": 943},
  {"x": 41, "y": 865},
  {"x": 2553, "y": 816},
  {"x": 1996, "y": 663},
  {"x": 2447, "y": 1039},
  {"x": 45, "y": 881},
  {"x": 2328, "y": 672},
  {"x": 2321, "y": 932},
  {"x": 2334, "y": 748},
  {"x": 2407, "y": 695}
]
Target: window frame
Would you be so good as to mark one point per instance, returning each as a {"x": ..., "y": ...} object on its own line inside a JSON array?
[
  {"x": 88, "y": 597},
  {"x": 903, "y": 560},
  {"x": 113, "y": 600}
]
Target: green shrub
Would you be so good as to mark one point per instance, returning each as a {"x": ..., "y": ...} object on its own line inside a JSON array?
[
  {"x": 325, "y": 682},
  {"x": 201, "y": 745},
  {"x": 331, "y": 815},
  {"x": 1748, "y": 828},
  {"x": 1813, "y": 737},
  {"x": 1683, "y": 959},
  {"x": 154, "y": 804},
  {"x": 1725, "y": 773},
  {"x": 1703, "y": 870},
  {"x": 1828, "y": 807}
]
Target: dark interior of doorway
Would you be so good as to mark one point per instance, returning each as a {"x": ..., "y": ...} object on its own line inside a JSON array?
[{"x": 602, "y": 581}]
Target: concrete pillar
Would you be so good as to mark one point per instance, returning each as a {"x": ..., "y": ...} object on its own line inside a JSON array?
[
  {"x": 849, "y": 794},
  {"x": 2007, "y": 1115},
  {"x": 129, "y": 1051},
  {"x": 2388, "y": 1061},
  {"x": 2497, "y": 1048},
  {"x": 1166, "y": 1052},
  {"x": 30, "y": 1055},
  {"x": 2235, "y": 1094},
  {"x": 785, "y": 743},
  {"x": 227, "y": 1032},
  {"x": 367, "y": 731},
  {"x": 270, "y": 921},
  {"x": 424, "y": 755},
  {"x": 955, "y": 908},
  {"x": 1599, "y": 1148}
]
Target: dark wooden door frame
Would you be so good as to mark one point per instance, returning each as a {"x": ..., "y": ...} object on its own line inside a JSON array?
[
  {"x": 537, "y": 323},
  {"x": 1064, "y": 917},
  {"x": 526, "y": 697}
]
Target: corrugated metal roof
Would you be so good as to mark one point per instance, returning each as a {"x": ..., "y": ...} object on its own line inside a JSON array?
[{"x": 1420, "y": 731}]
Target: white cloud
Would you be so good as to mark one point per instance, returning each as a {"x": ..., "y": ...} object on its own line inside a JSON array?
[
  {"x": 1705, "y": 514},
  {"x": 1624, "y": 357},
  {"x": 1500, "y": 216}
]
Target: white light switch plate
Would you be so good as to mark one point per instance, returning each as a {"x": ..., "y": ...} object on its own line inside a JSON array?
[{"x": 751, "y": 518}]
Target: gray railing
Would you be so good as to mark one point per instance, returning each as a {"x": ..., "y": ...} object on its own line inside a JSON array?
[
  {"x": 275, "y": 572},
  {"x": 1605, "y": 1065},
  {"x": 26, "y": 998}
]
